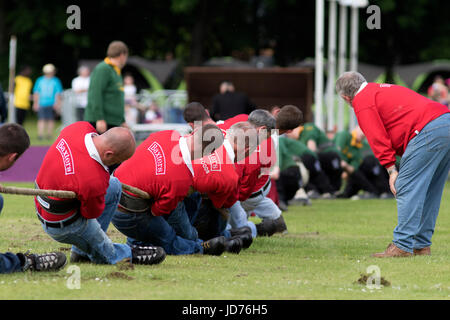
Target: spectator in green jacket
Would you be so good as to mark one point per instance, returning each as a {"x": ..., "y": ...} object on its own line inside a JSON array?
[
  {"x": 291, "y": 152},
  {"x": 361, "y": 170},
  {"x": 317, "y": 141},
  {"x": 106, "y": 101}
]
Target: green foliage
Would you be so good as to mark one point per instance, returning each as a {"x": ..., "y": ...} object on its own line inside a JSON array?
[{"x": 196, "y": 30}]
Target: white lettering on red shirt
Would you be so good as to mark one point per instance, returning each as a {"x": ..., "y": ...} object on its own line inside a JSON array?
[
  {"x": 160, "y": 159},
  {"x": 66, "y": 155}
]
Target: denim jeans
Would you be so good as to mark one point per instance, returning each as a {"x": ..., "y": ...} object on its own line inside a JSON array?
[
  {"x": 182, "y": 218},
  {"x": 238, "y": 218},
  {"x": 1, "y": 203},
  {"x": 88, "y": 236},
  {"x": 9, "y": 262},
  {"x": 146, "y": 229},
  {"x": 423, "y": 171},
  {"x": 262, "y": 206}
]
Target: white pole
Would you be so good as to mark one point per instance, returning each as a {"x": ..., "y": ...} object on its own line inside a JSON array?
[
  {"x": 318, "y": 77},
  {"x": 342, "y": 63},
  {"x": 331, "y": 65},
  {"x": 353, "y": 56},
  {"x": 12, "y": 71}
]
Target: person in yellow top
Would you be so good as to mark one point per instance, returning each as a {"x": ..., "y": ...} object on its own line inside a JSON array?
[{"x": 22, "y": 94}]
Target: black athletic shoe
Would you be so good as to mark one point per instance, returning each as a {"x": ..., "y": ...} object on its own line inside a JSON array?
[
  {"x": 240, "y": 231},
  {"x": 52, "y": 261},
  {"x": 266, "y": 228},
  {"x": 76, "y": 258},
  {"x": 234, "y": 245},
  {"x": 214, "y": 246},
  {"x": 147, "y": 255},
  {"x": 246, "y": 238}
]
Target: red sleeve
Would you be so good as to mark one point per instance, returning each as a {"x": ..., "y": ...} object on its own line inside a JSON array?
[{"x": 371, "y": 124}]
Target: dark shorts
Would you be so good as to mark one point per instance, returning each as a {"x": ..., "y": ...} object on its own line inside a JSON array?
[{"x": 46, "y": 113}]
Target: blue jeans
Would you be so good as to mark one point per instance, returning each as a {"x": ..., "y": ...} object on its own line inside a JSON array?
[
  {"x": 1, "y": 203},
  {"x": 9, "y": 262},
  {"x": 262, "y": 206},
  {"x": 238, "y": 219},
  {"x": 182, "y": 218},
  {"x": 146, "y": 229},
  {"x": 88, "y": 236},
  {"x": 423, "y": 171}
]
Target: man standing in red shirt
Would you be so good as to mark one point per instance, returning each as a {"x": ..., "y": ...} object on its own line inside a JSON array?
[
  {"x": 399, "y": 121},
  {"x": 78, "y": 161},
  {"x": 163, "y": 167}
]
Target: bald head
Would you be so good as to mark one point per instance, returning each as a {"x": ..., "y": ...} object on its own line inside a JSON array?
[{"x": 115, "y": 145}]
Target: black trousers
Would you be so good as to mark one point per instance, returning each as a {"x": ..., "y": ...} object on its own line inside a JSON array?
[
  {"x": 318, "y": 180},
  {"x": 370, "y": 177},
  {"x": 376, "y": 173},
  {"x": 209, "y": 222},
  {"x": 331, "y": 165},
  {"x": 20, "y": 115},
  {"x": 288, "y": 183}
]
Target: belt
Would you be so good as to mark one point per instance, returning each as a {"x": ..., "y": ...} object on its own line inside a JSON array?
[
  {"x": 58, "y": 207},
  {"x": 257, "y": 193},
  {"x": 131, "y": 204},
  {"x": 59, "y": 224}
]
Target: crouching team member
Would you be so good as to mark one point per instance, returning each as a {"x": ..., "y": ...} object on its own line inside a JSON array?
[
  {"x": 328, "y": 154},
  {"x": 363, "y": 173},
  {"x": 162, "y": 167},
  {"x": 214, "y": 212},
  {"x": 256, "y": 181},
  {"x": 14, "y": 141},
  {"x": 221, "y": 184},
  {"x": 78, "y": 161}
]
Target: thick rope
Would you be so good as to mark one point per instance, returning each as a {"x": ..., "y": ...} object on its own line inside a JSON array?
[
  {"x": 62, "y": 193},
  {"x": 38, "y": 192}
]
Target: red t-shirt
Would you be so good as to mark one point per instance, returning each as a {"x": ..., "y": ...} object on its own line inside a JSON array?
[
  {"x": 254, "y": 170},
  {"x": 158, "y": 168},
  {"x": 390, "y": 116},
  {"x": 216, "y": 176},
  {"x": 68, "y": 166}
]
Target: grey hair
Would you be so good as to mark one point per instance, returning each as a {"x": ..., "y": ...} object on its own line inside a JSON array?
[
  {"x": 260, "y": 117},
  {"x": 349, "y": 83}
]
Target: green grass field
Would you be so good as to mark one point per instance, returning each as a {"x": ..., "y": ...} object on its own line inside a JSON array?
[{"x": 327, "y": 249}]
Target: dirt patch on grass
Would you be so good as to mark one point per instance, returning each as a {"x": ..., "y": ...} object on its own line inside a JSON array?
[
  {"x": 125, "y": 265},
  {"x": 119, "y": 275},
  {"x": 364, "y": 277}
]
